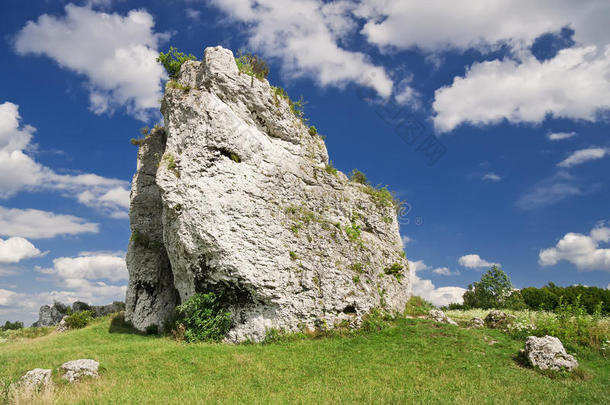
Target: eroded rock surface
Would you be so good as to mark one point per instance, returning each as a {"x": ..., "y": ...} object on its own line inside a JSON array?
[
  {"x": 37, "y": 379},
  {"x": 439, "y": 316},
  {"x": 234, "y": 196},
  {"x": 548, "y": 353},
  {"x": 77, "y": 369}
]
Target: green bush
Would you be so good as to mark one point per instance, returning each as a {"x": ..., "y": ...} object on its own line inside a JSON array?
[
  {"x": 203, "y": 318},
  {"x": 376, "y": 320},
  {"x": 313, "y": 130},
  {"x": 173, "y": 60},
  {"x": 417, "y": 306},
  {"x": 79, "y": 320}
]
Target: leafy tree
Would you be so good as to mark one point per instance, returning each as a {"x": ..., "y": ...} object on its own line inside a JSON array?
[
  {"x": 491, "y": 292},
  {"x": 173, "y": 60},
  {"x": 8, "y": 325}
]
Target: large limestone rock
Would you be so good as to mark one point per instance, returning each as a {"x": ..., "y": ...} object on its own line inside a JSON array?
[
  {"x": 548, "y": 353},
  {"x": 234, "y": 196}
]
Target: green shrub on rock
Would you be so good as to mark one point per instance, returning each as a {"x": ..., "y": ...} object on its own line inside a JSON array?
[
  {"x": 173, "y": 60},
  {"x": 203, "y": 318}
]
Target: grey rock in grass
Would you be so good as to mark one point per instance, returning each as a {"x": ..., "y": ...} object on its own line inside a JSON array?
[
  {"x": 476, "y": 323},
  {"x": 234, "y": 196},
  {"x": 62, "y": 326},
  {"x": 548, "y": 353},
  {"x": 498, "y": 319},
  {"x": 439, "y": 316},
  {"x": 77, "y": 369},
  {"x": 37, "y": 379}
]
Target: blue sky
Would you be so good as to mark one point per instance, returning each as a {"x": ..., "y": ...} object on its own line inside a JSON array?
[{"x": 516, "y": 94}]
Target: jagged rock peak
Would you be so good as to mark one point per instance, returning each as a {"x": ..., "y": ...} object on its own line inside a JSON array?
[{"x": 235, "y": 196}]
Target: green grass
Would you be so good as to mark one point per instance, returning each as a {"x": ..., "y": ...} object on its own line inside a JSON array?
[{"x": 414, "y": 361}]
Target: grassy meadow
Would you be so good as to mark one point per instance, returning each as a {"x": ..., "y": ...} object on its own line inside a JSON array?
[{"x": 411, "y": 361}]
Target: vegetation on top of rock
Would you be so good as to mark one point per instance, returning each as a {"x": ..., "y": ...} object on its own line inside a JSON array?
[
  {"x": 173, "y": 60},
  {"x": 202, "y": 318},
  {"x": 173, "y": 84},
  {"x": 146, "y": 133},
  {"x": 252, "y": 65},
  {"x": 358, "y": 177}
]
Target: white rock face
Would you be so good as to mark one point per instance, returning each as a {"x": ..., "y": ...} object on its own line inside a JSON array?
[
  {"x": 76, "y": 369},
  {"x": 233, "y": 196},
  {"x": 548, "y": 353},
  {"x": 439, "y": 316}
]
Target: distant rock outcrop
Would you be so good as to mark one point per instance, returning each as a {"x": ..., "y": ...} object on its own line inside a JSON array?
[
  {"x": 51, "y": 315},
  {"x": 236, "y": 196}
]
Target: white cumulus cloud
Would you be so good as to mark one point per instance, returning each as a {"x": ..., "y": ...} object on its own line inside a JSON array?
[
  {"x": 439, "y": 296},
  {"x": 15, "y": 249},
  {"x": 305, "y": 36},
  {"x": 583, "y": 155},
  {"x": 37, "y": 224},
  {"x": 89, "y": 267},
  {"x": 438, "y": 25},
  {"x": 474, "y": 261},
  {"x": 584, "y": 251},
  {"x": 557, "y": 136},
  {"x": 574, "y": 84},
  {"x": 20, "y": 172},
  {"x": 116, "y": 53},
  {"x": 491, "y": 177},
  {"x": 445, "y": 271}
]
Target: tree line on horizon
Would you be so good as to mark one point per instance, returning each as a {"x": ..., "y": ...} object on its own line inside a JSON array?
[{"x": 495, "y": 290}]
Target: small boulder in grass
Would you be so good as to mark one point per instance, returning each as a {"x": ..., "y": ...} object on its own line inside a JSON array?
[
  {"x": 38, "y": 379},
  {"x": 439, "y": 316},
  {"x": 62, "y": 326},
  {"x": 77, "y": 369},
  {"x": 476, "y": 323},
  {"x": 548, "y": 353},
  {"x": 498, "y": 319}
]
